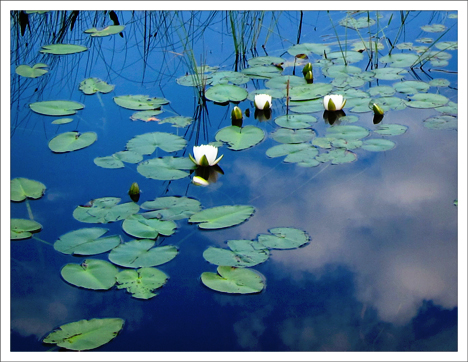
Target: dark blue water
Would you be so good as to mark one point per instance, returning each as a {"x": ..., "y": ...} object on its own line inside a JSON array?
[{"x": 380, "y": 272}]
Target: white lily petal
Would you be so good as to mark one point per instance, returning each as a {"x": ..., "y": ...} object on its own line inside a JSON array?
[
  {"x": 209, "y": 151},
  {"x": 337, "y": 99},
  {"x": 261, "y": 100}
]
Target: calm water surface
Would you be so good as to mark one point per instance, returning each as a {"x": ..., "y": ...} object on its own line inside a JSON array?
[{"x": 380, "y": 271}]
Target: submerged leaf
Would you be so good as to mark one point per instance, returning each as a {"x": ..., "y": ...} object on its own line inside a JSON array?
[
  {"x": 234, "y": 280},
  {"x": 85, "y": 334}
]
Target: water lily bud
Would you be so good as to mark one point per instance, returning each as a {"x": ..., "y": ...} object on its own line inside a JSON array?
[
  {"x": 262, "y": 101},
  {"x": 236, "y": 114},
  {"x": 377, "y": 110},
  {"x": 307, "y": 68},
  {"x": 200, "y": 181},
  {"x": 134, "y": 192},
  {"x": 309, "y": 77},
  {"x": 334, "y": 102}
]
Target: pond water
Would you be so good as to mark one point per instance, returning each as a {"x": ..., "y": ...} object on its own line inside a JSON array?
[{"x": 367, "y": 204}]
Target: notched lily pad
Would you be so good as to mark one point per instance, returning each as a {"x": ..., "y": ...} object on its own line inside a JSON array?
[
  {"x": 222, "y": 93},
  {"x": 85, "y": 334},
  {"x": 222, "y": 216},
  {"x": 22, "y": 188},
  {"x": 171, "y": 207},
  {"x": 140, "y": 102},
  {"x": 141, "y": 282},
  {"x": 91, "y": 274},
  {"x": 108, "y": 30},
  {"x": 166, "y": 168},
  {"x": 63, "y": 49},
  {"x": 234, "y": 280},
  {"x": 146, "y": 144},
  {"x": 284, "y": 238},
  {"x": 105, "y": 210},
  {"x": 285, "y": 135},
  {"x": 295, "y": 121},
  {"x": 140, "y": 227},
  {"x": 443, "y": 122},
  {"x": 378, "y": 145},
  {"x": 93, "y": 85},
  {"x": 243, "y": 253},
  {"x": 86, "y": 241},
  {"x": 23, "y": 228},
  {"x": 71, "y": 141},
  {"x": 31, "y": 72},
  {"x": 56, "y": 108},
  {"x": 240, "y": 138}
]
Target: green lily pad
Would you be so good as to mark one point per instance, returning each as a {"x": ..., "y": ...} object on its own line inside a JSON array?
[
  {"x": 274, "y": 93},
  {"x": 439, "y": 82},
  {"x": 447, "y": 45},
  {"x": 222, "y": 93},
  {"x": 234, "y": 280},
  {"x": 367, "y": 45},
  {"x": 225, "y": 77},
  {"x": 62, "y": 121},
  {"x": 146, "y": 144},
  {"x": 348, "y": 81},
  {"x": 93, "y": 85},
  {"x": 142, "y": 254},
  {"x": 390, "y": 129},
  {"x": 105, "y": 210},
  {"x": 427, "y": 100},
  {"x": 141, "y": 227},
  {"x": 262, "y": 72},
  {"x": 117, "y": 159},
  {"x": 108, "y": 30},
  {"x": 347, "y": 132},
  {"x": 307, "y": 48},
  {"x": 284, "y": 135},
  {"x": 243, "y": 253},
  {"x": 286, "y": 149},
  {"x": 346, "y": 144},
  {"x": 295, "y": 121},
  {"x": 166, "y": 168},
  {"x": 146, "y": 116},
  {"x": 86, "y": 241},
  {"x": 400, "y": 60},
  {"x": 382, "y": 90},
  {"x": 387, "y": 103},
  {"x": 91, "y": 274},
  {"x": 434, "y": 28},
  {"x": 301, "y": 153},
  {"x": 377, "y": 145},
  {"x": 22, "y": 188},
  {"x": 336, "y": 71},
  {"x": 411, "y": 87},
  {"x": 240, "y": 138},
  {"x": 71, "y": 141},
  {"x": 336, "y": 157},
  {"x": 222, "y": 216},
  {"x": 309, "y": 91},
  {"x": 171, "y": 207},
  {"x": 284, "y": 238},
  {"x": 389, "y": 73},
  {"x": 280, "y": 82},
  {"x": 56, "y": 108},
  {"x": 264, "y": 60},
  {"x": 23, "y": 228},
  {"x": 450, "y": 108},
  {"x": 140, "y": 102},
  {"x": 359, "y": 23},
  {"x": 141, "y": 282},
  {"x": 85, "y": 334},
  {"x": 442, "y": 122},
  {"x": 177, "y": 121},
  {"x": 194, "y": 80},
  {"x": 31, "y": 72},
  {"x": 309, "y": 106},
  {"x": 62, "y": 49},
  {"x": 349, "y": 56}
]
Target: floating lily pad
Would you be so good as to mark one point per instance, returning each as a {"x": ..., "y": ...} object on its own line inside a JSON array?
[
  {"x": 85, "y": 334},
  {"x": 262, "y": 72},
  {"x": 367, "y": 45},
  {"x": 382, "y": 90},
  {"x": 286, "y": 149},
  {"x": 427, "y": 100},
  {"x": 307, "y": 48},
  {"x": 295, "y": 121},
  {"x": 284, "y": 238},
  {"x": 146, "y": 116},
  {"x": 93, "y": 85},
  {"x": 166, "y": 168},
  {"x": 62, "y": 121},
  {"x": 411, "y": 87},
  {"x": 359, "y": 23},
  {"x": 284, "y": 135},
  {"x": 336, "y": 157},
  {"x": 62, "y": 49},
  {"x": 401, "y": 60},
  {"x": 141, "y": 282},
  {"x": 105, "y": 210},
  {"x": 108, "y": 30},
  {"x": 377, "y": 145},
  {"x": 390, "y": 129},
  {"x": 281, "y": 81},
  {"x": 71, "y": 141},
  {"x": 240, "y": 138},
  {"x": 347, "y": 132},
  {"x": 389, "y": 73},
  {"x": 301, "y": 153},
  {"x": 243, "y": 253},
  {"x": 309, "y": 91},
  {"x": 347, "y": 144},
  {"x": 171, "y": 207},
  {"x": 447, "y": 45},
  {"x": 146, "y": 144},
  {"x": 140, "y": 102},
  {"x": 234, "y": 280},
  {"x": 142, "y": 254},
  {"x": 23, "y": 228},
  {"x": 274, "y": 93},
  {"x": 222, "y": 216},
  {"x": 336, "y": 71},
  {"x": 349, "y": 56},
  {"x": 439, "y": 82},
  {"x": 222, "y": 93},
  {"x": 194, "y": 80},
  {"x": 348, "y": 81},
  {"x": 450, "y": 108},
  {"x": 86, "y": 241},
  {"x": 31, "y": 72},
  {"x": 56, "y": 108},
  {"x": 434, "y": 28},
  {"x": 228, "y": 77},
  {"x": 387, "y": 103},
  {"x": 443, "y": 122},
  {"x": 22, "y": 188},
  {"x": 264, "y": 60},
  {"x": 177, "y": 121},
  {"x": 141, "y": 227},
  {"x": 117, "y": 159},
  {"x": 309, "y": 106},
  {"x": 91, "y": 274}
]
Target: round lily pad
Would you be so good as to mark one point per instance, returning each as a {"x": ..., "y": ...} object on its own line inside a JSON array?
[
  {"x": 91, "y": 274},
  {"x": 141, "y": 282},
  {"x": 307, "y": 48},
  {"x": 443, "y": 122},
  {"x": 71, "y": 141},
  {"x": 401, "y": 60},
  {"x": 411, "y": 87},
  {"x": 378, "y": 145},
  {"x": 295, "y": 121},
  {"x": 56, "y": 108},
  {"x": 105, "y": 210},
  {"x": 177, "y": 121},
  {"x": 23, "y": 228},
  {"x": 86, "y": 241},
  {"x": 31, "y": 72},
  {"x": 390, "y": 129},
  {"x": 309, "y": 91},
  {"x": 141, "y": 227},
  {"x": 285, "y": 135},
  {"x": 22, "y": 188},
  {"x": 140, "y": 102},
  {"x": 85, "y": 334},
  {"x": 284, "y": 238},
  {"x": 281, "y": 81},
  {"x": 336, "y": 157},
  {"x": 240, "y": 138},
  {"x": 222, "y": 216},
  {"x": 234, "y": 280},
  {"x": 264, "y": 60},
  {"x": 243, "y": 253},
  {"x": 62, "y": 121},
  {"x": 359, "y": 23},
  {"x": 146, "y": 144},
  {"x": 166, "y": 168},
  {"x": 142, "y": 253},
  {"x": 93, "y": 85},
  {"x": 427, "y": 100},
  {"x": 171, "y": 207},
  {"x": 225, "y": 77},
  {"x": 389, "y": 73},
  {"x": 146, "y": 116},
  {"x": 222, "y": 93},
  {"x": 347, "y": 132},
  {"x": 262, "y": 72}
]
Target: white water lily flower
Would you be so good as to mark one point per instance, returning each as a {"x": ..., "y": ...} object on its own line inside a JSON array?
[
  {"x": 262, "y": 101},
  {"x": 334, "y": 102},
  {"x": 205, "y": 155}
]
